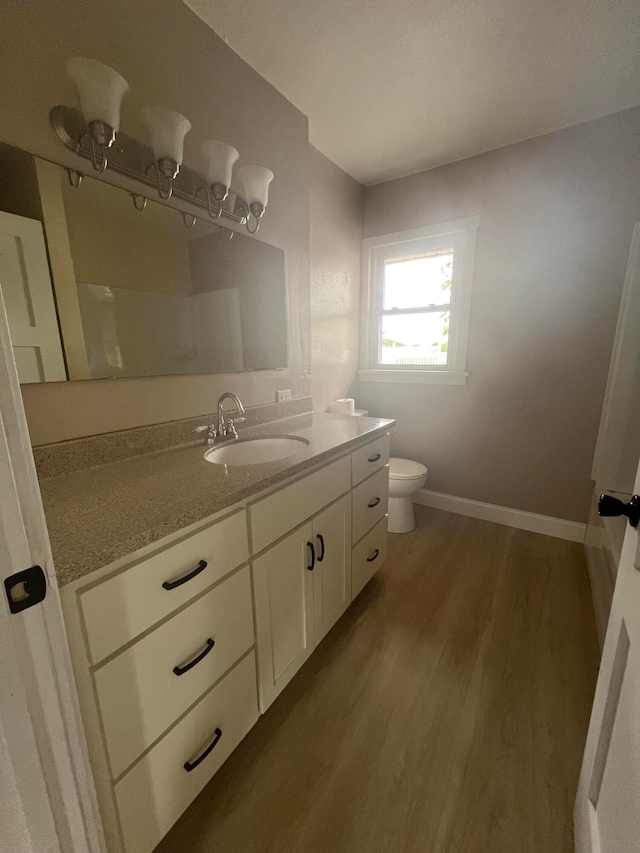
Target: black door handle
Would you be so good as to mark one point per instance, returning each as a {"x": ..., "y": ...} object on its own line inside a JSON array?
[
  {"x": 313, "y": 556},
  {"x": 375, "y": 457},
  {"x": 373, "y": 503},
  {"x": 611, "y": 507},
  {"x": 321, "y": 538},
  {"x": 180, "y": 670},
  {"x": 373, "y": 556}
]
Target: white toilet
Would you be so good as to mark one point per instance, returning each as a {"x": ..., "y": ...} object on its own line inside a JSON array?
[{"x": 405, "y": 479}]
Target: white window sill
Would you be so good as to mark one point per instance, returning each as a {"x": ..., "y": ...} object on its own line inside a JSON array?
[{"x": 415, "y": 377}]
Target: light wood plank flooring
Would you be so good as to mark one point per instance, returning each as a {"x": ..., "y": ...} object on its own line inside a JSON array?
[{"x": 445, "y": 713}]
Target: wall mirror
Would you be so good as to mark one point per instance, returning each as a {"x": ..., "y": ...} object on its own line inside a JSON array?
[{"x": 96, "y": 289}]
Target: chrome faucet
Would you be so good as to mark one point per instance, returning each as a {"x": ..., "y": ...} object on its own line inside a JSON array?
[{"x": 226, "y": 427}]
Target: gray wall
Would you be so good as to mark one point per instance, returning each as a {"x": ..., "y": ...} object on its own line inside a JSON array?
[
  {"x": 336, "y": 211},
  {"x": 556, "y": 216}
]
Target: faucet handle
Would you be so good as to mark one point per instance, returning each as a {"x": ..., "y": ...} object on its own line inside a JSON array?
[
  {"x": 210, "y": 430},
  {"x": 231, "y": 425}
]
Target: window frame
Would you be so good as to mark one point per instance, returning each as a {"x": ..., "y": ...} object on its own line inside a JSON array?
[{"x": 459, "y": 235}]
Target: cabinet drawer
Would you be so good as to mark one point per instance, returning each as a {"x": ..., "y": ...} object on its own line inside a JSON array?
[
  {"x": 369, "y": 458},
  {"x": 153, "y": 795},
  {"x": 129, "y": 603},
  {"x": 368, "y": 555},
  {"x": 370, "y": 502},
  {"x": 274, "y": 516},
  {"x": 139, "y": 692}
]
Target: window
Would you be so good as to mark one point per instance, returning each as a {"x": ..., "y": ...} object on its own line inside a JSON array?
[{"x": 418, "y": 298}]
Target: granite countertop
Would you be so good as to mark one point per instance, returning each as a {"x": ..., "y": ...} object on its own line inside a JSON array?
[{"x": 98, "y": 515}]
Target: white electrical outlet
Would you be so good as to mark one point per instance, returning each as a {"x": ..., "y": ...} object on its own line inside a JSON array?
[{"x": 281, "y": 396}]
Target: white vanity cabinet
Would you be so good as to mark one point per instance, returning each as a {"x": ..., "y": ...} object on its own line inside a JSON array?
[
  {"x": 370, "y": 501},
  {"x": 283, "y": 587},
  {"x": 332, "y": 571},
  {"x": 296, "y": 605},
  {"x": 175, "y": 648},
  {"x": 367, "y": 556},
  {"x": 302, "y": 586},
  {"x": 162, "y": 645},
  {"x": 171, "y": 667},
  {"x": 280, "y": 512}
]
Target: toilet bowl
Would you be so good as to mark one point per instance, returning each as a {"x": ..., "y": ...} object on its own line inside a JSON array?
[{"x": 405, "y": 479}]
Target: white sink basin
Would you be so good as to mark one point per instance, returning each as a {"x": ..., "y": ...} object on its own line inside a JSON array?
[{"x": 256, "y": 451}]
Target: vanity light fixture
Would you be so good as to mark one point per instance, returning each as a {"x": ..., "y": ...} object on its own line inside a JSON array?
[
  {"x": 92, "y": 133},
  {"x": 255, "y": 182},
  {"x": 100, "y": 90},
  {"x": 167, "y": 130},
  {"x": 220, "y": 158}
]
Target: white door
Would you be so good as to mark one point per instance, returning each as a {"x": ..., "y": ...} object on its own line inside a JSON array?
[
  {"x": 607, "y": 811},
  {"x": 283, "y": 586},
  {"x": 47, "y": 801},
  {"x": 332, "y": 572},
  {"x": 28, "y": 299}
]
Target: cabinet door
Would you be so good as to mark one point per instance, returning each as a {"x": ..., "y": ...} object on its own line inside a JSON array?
[
  {"x": 332, "y": 572},
  {"x": 283, "y": 586}
]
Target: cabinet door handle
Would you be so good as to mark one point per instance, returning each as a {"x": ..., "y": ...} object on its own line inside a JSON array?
[
  {"x": 373, "y": 556},
  {"x": 191, "y": 765},
  {"x": 321, "y": 539},
  {"x": 202, "y": 565},
  {"x": 375, "y": 457},
  {"x": 180, "y": 670},
  {"x": 373, "y": 503},
  {"x": 313, "y": 556}
]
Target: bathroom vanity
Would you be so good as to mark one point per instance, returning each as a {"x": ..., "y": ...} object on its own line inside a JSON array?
[{"x": 180, "y": 644}]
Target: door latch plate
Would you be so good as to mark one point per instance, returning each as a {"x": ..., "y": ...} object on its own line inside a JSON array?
[{"x": 26, "y": 588}]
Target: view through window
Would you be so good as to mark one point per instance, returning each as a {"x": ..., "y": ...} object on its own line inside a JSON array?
[{"x": 416, "y": 307}]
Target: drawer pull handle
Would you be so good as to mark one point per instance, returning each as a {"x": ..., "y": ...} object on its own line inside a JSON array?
[
  {"x": 202, "y": 565},
  {"x": 191, "y": 765},
  {"x": 313, "y": 556},
  {"x": 375, "y": 457},
  {"x": 180, "y": 670},
  {"x": 321, "y": 538},
  {"x": 373, "y": 556},
  {"x": 373, "y": 503}
]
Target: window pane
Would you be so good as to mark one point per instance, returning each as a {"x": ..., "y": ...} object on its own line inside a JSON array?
[
  {"x": 415, "y": 338},
  {"x": 418, "y": 281}
]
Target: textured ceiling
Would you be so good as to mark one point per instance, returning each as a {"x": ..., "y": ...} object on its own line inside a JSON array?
[{"x": 392, "y": 88}]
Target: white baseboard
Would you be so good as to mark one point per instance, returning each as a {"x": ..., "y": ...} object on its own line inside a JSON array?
[{"x": 561, "y": 528}]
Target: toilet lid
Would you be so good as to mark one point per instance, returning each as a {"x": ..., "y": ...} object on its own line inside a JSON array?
[{"x": 405, "y": 469}]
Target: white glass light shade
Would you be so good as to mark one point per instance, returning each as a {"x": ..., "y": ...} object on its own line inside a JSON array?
[
  {"x": 100, "y": 90},
  {"x": 167, "y": 130},
  {"x": 255, "y": 182},
  {"x": 219, "y": 158}
]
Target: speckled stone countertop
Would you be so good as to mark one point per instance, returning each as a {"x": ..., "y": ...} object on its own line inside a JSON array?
[{"x": 98, "y": 515}]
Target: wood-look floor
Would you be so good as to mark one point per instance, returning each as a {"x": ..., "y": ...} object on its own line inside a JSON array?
[{"x": 445, "y": 713}]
